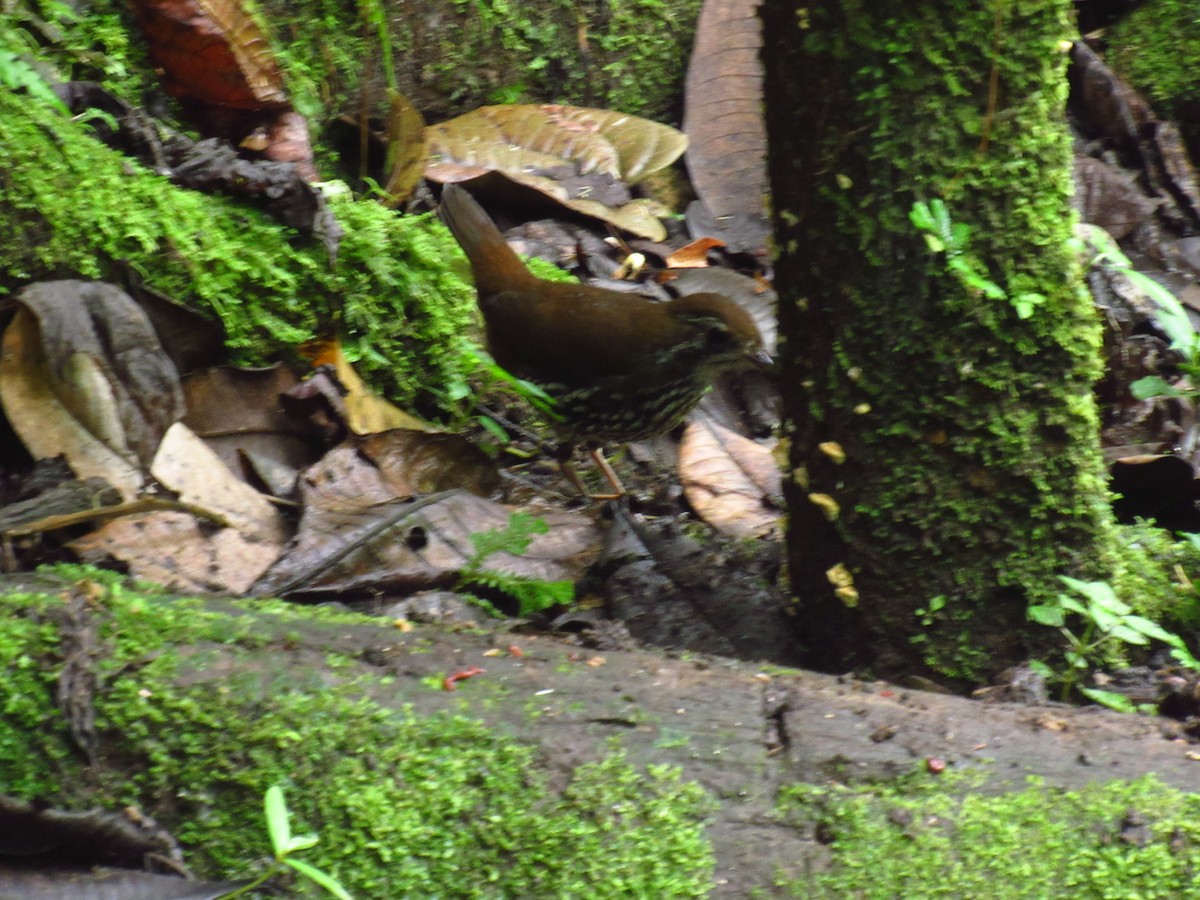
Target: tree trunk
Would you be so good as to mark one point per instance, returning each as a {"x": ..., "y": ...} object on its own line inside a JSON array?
[{"x": 944, "y": 454}]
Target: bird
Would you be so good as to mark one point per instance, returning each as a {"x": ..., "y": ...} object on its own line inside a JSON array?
[{"x": 619, "y": 367}]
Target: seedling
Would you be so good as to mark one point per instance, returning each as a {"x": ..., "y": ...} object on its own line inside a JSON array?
[{"x": 283, "y": 844}]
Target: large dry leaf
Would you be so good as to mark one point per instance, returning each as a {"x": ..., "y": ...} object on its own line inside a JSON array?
[
  {"x": 524, "y": 137},
  {"x": 179, "y": 552},
  {"x": 531, "y": 145},
  {"x": 723, "y": 110},
  {"x": 212, "y": 51},
  {"x": 358, "y": 534},
  {"x": 730, "y": 481},
  {"x": 182, "y": 552},
  {"x": 197, "y": 476},
  {"x": 82, "y": 374},
  {"x": 408, "y": 150}
]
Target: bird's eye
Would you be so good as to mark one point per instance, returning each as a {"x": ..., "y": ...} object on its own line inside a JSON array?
[{"x": 717, "y": 335}]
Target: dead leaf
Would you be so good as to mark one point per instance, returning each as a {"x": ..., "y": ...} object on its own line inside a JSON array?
[
  {"x": 408, "y": 150},
  {"x": 179, "y": 550},
  {"x": 366, "y": 411},
  {"x": 693, "y": 255},
  {"x": 536, "y": 145},
  {"x": 82, "y": 374},
  {"x": 212, "y": 51},
  {"x": 723, "y": 110},
  {"x": 238, "y": 414},
  {"x": 421, "y": 462},
  {"x": 528, "y": 137},
  {"x": 350, "y": 543},
  {"x": 730, "y": 481},
  {"x": 197, "y": 476}
]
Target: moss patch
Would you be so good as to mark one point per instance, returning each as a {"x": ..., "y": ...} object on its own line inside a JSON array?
[
  {"x": 451, "y": 57},
  {"x": 917, "y": 840},
  {"x": 85, "y": 211},
  {"x": 1154, "y": 47},
  {"x": 192, "y": 731}
]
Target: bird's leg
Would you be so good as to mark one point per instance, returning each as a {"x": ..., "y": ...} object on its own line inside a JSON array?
[
  {"x": 609, "y": 473},
  {"x": 564, "y": 463}
]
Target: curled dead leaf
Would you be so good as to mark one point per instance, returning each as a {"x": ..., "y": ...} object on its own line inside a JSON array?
[{"x": 730, "y": 481}]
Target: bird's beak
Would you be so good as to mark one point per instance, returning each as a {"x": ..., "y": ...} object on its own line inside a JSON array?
[{"x": 761, "y": 357}]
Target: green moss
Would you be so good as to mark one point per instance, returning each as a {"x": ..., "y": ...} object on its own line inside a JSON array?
[
  {"x": 1158, "y": 577},
  {"x": 193, "y": 732},
  {"x": 85, "y": 211},
  {"x": 92, "y": 43},
  {"x": 1154, "y": 47},
  {"x": 626, "y": 56},
  {"x": 972, "y": 468},
  {"x": 916, "y": 839}
]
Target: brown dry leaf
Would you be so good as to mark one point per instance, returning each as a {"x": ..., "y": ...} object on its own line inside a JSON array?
[
  {"x": 693, "y": 255},
  {"x": 523, "y": 140},
  {"x": 352, "y": 540},
  {"x": 179, "y": 551},
  {"x": 366, "y": 411},
  {"x": 408, "y": 150},
  {"x": 723, "y": 110},
  {"x": 729, "y": 480},
  {"x": 212, "y": 51},
  {"x": 82, "y": 374},
  {"x": 523, "y": 137},
  {"x": 197, "y": 476},
  {"x": 238, "y": 415},
  {"x": 421, "y": 462}
]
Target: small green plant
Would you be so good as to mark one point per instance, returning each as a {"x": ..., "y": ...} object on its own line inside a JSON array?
[
  {"x": 928, "y": 613},
  {"x": 953, "y": 239},
  {"x": 283, "y": 844},
  {"x": 16, "y": 74},
  {"x": 1108, "y": 624},
  {"x": 1172, "y": 318},
  {"x": 531, "y": 594}
]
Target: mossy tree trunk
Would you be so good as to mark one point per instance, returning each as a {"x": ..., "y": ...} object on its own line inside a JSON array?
[{"x": 971, "y": 473}]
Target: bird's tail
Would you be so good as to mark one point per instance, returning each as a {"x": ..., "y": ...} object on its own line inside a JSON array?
[{"x": 494, "y": 265}]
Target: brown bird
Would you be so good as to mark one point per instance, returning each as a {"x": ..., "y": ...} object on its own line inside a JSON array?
[{"x": 620, "y": 367}]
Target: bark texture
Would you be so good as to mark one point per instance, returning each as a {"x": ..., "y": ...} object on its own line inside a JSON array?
[{"x": 971, "y": 474}]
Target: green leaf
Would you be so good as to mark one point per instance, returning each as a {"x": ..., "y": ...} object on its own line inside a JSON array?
[
  {"x": 1122, "y": 632},
  {"x": 1184, "y": 657},
  {"x": 920, "y": 216},
  {"x": 1154, "y": 386},
  {"x": 1070, "y": 604},
  {"x": 278, "y": 828},
  {"x": 1111, "y": 699},
  {"x": 1040, "y": 668},
  {"x": 1047, "y": 614},
  {"x": 1172, "y": 317},
  {"x": 301, "y": 842},
  {"x": 494, "y": 428},
  {"x": 331, "y": 884},
  {"x": 1150, "y": 629},
  {"x": 1097, "y": 591}
]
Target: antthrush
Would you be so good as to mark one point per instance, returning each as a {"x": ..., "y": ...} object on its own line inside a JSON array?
[{"x": 620, "y": 367}]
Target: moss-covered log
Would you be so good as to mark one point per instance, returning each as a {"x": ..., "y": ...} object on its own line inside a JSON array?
[
  {"x": 971, "y": 475},
  {"x": 75, "y": 208}
]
